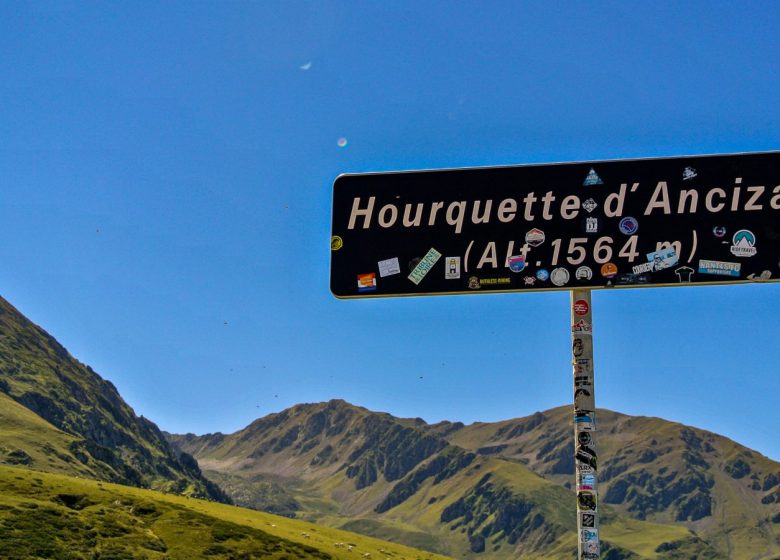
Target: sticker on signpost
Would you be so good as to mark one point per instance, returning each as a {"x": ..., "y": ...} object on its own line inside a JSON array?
[
  {"x": 588, "y": 520},
  {"x": 586, "y": 501},
  {"x": 590, "y": 535}
]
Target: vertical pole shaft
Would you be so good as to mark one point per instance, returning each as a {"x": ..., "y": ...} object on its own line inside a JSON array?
[{"x": 588, "y": 546}]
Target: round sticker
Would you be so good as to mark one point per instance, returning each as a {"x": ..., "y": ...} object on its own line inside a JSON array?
[
  {"x": 719, "y": 231},
  {"x": 581, "y": 307},
  {"x": 609, "y": 270},
  {"x": 336, "y": 243},
  {"x": 628, "y": 225},
  {"x": 559, "y": 276},
  {"x": 517, "y": 263},
  {"x": 583, "y": 273},
  {"x": 542, "y": 275}
]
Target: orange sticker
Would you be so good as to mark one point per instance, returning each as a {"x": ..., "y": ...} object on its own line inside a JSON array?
[{"x": 609, "y": 270}]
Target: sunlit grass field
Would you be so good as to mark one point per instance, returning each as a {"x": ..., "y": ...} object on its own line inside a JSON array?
[{"x": 52, "y": 516}]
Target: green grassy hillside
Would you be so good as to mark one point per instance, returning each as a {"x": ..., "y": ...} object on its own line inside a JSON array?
[
  {"x": 107, "y": 437},
  {"x": 51, "y": 516},
  {"x": 28, "y": 440},
  {"x": 655, "y": 470}
]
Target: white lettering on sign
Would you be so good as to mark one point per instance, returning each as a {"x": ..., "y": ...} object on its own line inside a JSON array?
[{"x": 366, "y": 212}]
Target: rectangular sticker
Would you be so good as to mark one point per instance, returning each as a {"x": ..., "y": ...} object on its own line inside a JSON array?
[
  {"x": 719, "y": 268},
  {"x": 389, "y": 267},
  {"x": 590, "y": 535},
  {"x": 452, "y": 268},
  {"x": 366, "y": 282},
  {"x": 424, "y": 266},
  {"x": 659, "y": 260}
]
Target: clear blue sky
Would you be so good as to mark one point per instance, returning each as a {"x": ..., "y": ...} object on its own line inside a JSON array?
[{"x": 166, "y": 172}]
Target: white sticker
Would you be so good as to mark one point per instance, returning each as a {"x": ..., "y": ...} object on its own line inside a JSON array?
[
  {"x": 451, "y": 268},
  {"x": 389, "y": 267}
]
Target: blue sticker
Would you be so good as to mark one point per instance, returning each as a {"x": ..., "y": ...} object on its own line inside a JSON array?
[
  {"x": 583, "y": 416},
  {"x": 628, "y": 225},
  {"x": 542, "y": 275},
  {"x": 743, "y": 244},
  {"x": 719, "y": 268},
  {"x": 592, "y": 179}
]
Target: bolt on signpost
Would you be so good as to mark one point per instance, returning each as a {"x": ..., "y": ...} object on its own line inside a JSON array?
[{"x": 684, "y": 221}]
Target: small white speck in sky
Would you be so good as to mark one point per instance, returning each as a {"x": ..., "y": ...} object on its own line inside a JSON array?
[
  {"x": 305, "y": 66},
  {"x": 341, "y": 142}
]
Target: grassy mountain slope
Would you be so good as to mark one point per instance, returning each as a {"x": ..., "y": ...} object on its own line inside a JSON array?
[
  {"x": 107, "y": 439},
  {"x": 652, "y": 469},
  {"x": 405, "y": 480},
  {"x": 28, "y": 440},
  {"x": 52, "y": 516}
]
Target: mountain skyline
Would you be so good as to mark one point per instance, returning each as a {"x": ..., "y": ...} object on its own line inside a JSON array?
[
  {"x": 500, "y": 489},
  {"x": 489, "y": 490},
  {"x": 171, "y": 206}
]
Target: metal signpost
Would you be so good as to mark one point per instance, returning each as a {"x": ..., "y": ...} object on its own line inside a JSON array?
[{"x": 680, "y": 221}]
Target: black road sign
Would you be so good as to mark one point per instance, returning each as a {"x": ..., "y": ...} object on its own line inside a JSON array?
[{"x": 628, "y": 223}]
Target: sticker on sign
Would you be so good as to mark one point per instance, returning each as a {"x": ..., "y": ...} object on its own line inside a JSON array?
[{"x": 424, "y": 266}]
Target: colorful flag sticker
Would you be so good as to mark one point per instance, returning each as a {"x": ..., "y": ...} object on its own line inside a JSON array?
[{"x": 366, "y": 282}]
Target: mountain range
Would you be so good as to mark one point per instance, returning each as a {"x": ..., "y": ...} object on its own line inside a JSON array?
[
  {"x": 486, "y": 490},
  {"x": 499, "y": 490}
]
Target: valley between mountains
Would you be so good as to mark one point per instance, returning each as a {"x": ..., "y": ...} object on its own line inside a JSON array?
[{"x": 82, "y": 476}]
